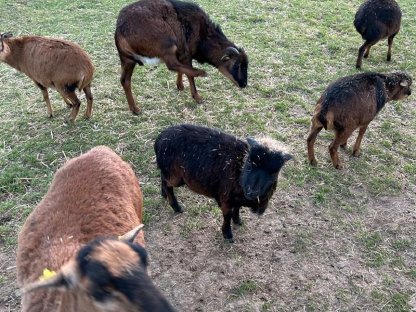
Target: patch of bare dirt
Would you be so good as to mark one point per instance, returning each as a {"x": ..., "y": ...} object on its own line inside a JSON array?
[
  {"x": 9, "y": 301},
  {"x": 293, "y": 258}
]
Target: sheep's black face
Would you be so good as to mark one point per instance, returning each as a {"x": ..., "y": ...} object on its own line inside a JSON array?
[
  {"x": 260, "y": 174},
  {"x": 234, "y": 65},
  {"x": 258, "y": 184},
  {"x": 399, "y": 85},
  {"x": 114, "y": 273}
]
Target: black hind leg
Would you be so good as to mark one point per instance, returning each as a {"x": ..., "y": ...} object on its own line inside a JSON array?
[
  {"x": 167, "y": 192},
  {"x": 236, "y": 216}
]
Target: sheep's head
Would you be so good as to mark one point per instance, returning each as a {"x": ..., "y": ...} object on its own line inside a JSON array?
[
  {"x": 260, "y": 170},
  {"x": 4, "y": 36},
  {"x": 398, "y": 85},
  {"x": 234, "y": 65},
  {"x": 111, "y": 273}
]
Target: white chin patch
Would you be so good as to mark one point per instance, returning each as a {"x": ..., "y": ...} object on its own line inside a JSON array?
[{"x": 147, "y": 60}]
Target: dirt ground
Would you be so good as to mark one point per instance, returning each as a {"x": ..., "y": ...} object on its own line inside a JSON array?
[{"x": 293, "y": 258}]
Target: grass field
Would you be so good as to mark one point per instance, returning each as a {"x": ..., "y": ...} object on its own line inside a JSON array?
[{"x": 330, "y": 240}]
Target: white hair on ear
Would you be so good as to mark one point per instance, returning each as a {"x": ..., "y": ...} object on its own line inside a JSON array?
[{"x": 272, "y": 144}]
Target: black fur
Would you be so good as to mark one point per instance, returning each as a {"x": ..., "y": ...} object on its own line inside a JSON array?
[
  {"x": 376, "y": 20},
  {"x": 219, "y": 166}
]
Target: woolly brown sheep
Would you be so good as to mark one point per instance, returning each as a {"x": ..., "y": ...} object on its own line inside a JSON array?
[
  {"x": 51, "y": 63},
  {"x": 352, "y": 102},
  {"x": 174, "y": 32},
  {"x": 93, "y": 199}
]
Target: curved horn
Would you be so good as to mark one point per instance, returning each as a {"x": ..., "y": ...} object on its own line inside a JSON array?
[
  {"x": 229, "y": 52},
  {"x": 404, "y": 83},
  {"x": 4, "y": 36}
]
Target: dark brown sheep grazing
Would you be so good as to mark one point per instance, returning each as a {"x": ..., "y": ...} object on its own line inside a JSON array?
[
  {"x": 93, "y": 199},
  {"x": 352, "y": 102},
  {"x": 51, "y": 63},
  {"x": 174, "y": 32},
  {"x": 232, "y": 171},
  {"x": 376, "y": 20}
]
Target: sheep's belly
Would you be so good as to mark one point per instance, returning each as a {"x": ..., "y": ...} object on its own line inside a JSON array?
[{"x": 148, "y": 60}]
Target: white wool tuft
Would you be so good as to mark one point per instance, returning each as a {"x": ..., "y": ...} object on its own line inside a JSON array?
[{"x": 272, "y": 144}]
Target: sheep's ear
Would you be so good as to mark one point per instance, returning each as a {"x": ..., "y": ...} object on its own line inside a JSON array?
[
  {"x": 65, "y": 278},
  {"x": 131, "y": 236},
  {"x": 252, "y": 142},
  {"x": 229, "y": 53},
  {"x": 404, "y": 83}
]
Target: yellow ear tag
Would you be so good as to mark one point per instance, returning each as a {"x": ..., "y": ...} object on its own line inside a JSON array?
[{"x": 47, "y": 274}]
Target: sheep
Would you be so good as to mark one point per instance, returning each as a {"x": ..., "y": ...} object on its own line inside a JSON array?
[
  {"x": 51, "y": 63},
  {"x": 232, "y": 171},
  {"x": 376, "y": 20},
  {"x": 174, "y": 32},
  {"x": 93, "y": 198},
  {"x": 352, "y": 102}
]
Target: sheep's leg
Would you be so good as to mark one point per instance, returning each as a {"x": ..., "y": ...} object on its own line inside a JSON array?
[
  {"x": 179, "y": 82},
  {"x": 68, "y": 103},
  {"x": 367, "y": 52},
  {"x": 344, "y": 145},
  {"x": 361, "y": 51},
  {"x": 127, "y": 67},
  {"x": 173, "y": 64},
  {"x": 227, "y": 213},
  {"x": 88, "y": 95},
  {"x": 167, "y": 192},
  {"x": 356, "y": 150},
  {"x": 340, "y": 137},
  {"x": 390, "y": 43},
  {"x": 315, "y": 129},
  {"x": 194, "y": 91},
  {"x": 76, "y": 103},
  {"x": 46, "y": 98},
  {"x": 236, "y": 216}
]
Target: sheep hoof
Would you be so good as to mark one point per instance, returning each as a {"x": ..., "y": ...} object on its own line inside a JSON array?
[
  {"x": 136, "y": 111},
  {"x": 358, "y": 66},
  {"x": 230, "y": 240},
  {"x": 201, "y": 73},
  {"x": 198, "y": 99},
  {"x": 178, "y": 209},
  {"x": 344, "y": 146},
  {"x": 180, "y": 87},
  {"x": 356, "y": 153},
  {"x": 313, "y": 162},
  {"x": 339, "y": 166}
]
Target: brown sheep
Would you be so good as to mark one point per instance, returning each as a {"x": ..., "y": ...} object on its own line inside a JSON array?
[
  {"x": 51, "y": 63},
  {"x": 174, "y": 32},
  {"x": 352, "y": 102},
  {"x": 94, "y": 195}
]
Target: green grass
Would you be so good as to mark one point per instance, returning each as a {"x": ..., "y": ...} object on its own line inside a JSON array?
[
  {"x": 296, "y": 48},
  {"x": 244, "y": 288}
]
